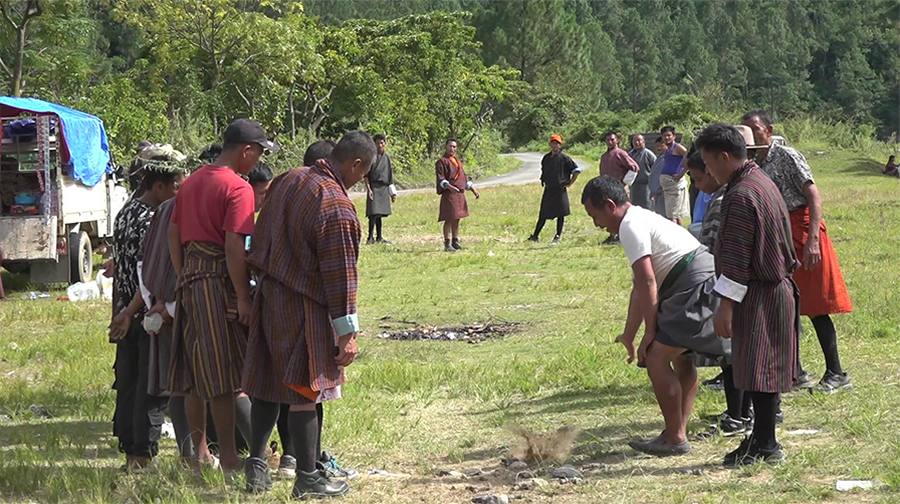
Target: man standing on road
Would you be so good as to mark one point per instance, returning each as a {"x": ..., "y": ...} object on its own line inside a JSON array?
[
  {"x": 558, "y": 172},
  {"x": 822, "y": 289},
  {"x": 616, "y": 163},
  {"x": 644, "y": 157},
  {"x": 452, "y": 184},
  {"x": 380, "y": 192}
]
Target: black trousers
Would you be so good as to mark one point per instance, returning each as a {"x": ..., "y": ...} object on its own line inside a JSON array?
[{"x": 139, "y": 416}]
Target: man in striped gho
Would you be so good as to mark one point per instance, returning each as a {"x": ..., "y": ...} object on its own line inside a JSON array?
[
  {"x": 303, "y": 325},
  {"x": 755, "y": 259}
]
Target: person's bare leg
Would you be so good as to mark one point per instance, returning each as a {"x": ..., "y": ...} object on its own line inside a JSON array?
[
  {"x": 195, "y": 410},
  {"x": 223, "y": 414},
  {"x": 687, "y": 377},
  {"x": 667, "y": 389},
  {"x": 447, "y": 230},
  {"x": 454, "y": 228}
]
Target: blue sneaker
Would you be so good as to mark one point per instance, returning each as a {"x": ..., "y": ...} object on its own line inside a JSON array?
[{"x": 335, "y": 471}]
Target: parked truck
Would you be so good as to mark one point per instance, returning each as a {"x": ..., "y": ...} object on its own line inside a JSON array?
[{"x": 59, "y": 194}]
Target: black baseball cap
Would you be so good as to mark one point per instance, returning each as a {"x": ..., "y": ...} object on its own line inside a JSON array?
[{"x": 246, "y": 131}]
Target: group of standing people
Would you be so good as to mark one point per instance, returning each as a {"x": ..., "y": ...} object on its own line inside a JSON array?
[
  {"x": 235, "y": 292},
  {"x": 253, "y": 320},
  {"x": 735, "y": 296}
]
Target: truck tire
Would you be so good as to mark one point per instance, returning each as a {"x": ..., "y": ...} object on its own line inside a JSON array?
[{"x": 81, "y": 258}]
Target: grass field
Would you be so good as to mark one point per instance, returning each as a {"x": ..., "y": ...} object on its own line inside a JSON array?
[{"x": 414, "y": 408}]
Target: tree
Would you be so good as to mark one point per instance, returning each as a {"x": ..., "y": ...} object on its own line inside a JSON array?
[{"x": 18, "y": 15}]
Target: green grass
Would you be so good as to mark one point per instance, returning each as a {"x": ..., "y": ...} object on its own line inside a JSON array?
[{"x": 412, "y": 408}]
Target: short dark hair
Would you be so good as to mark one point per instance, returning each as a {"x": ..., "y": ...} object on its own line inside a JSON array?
[
  {"x": 664, "y": 129},
  {"x": 320, "y": 149},
  {"x": 606, "y": 135},
  {"x": 355, "y": 145},
  {"x": 380, "y": 136},
  {"x": 450, "y": 140},
  {"x": 260, "y": 174},
  {"x": 602, "y": 188},
  {"x": 760, "y": 113},
  {"x": 152, "y": 175},
  {"x": 211, "y": 153},
  {"x": 721, "y": 137},
  {"x": 695, "y": 162},
  {"x": 659, "y": 139}
]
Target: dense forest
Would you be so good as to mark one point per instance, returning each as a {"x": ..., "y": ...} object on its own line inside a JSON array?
[{"x": 490, "y": 72}]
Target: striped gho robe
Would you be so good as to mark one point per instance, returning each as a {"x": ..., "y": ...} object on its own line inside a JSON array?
[
  {"x": 755, "y": 259},
  {"x": 304, "y": 251}
]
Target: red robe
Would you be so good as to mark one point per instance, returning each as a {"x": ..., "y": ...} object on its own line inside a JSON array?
[{"x": 453, "y": 204}]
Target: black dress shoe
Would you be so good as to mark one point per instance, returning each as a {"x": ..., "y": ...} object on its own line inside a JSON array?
[
  {"x": 456, "y": 244},
  {"x": 317, "y": 486}
]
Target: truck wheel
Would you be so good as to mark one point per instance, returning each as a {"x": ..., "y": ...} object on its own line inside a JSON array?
[{"x": 81, "y": 258}]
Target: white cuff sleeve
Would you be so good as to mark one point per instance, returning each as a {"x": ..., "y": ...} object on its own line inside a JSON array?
[
  {"x": 392, "y": 189},
  {"x": 445, "y": 183},
  {"x": 730, "y": 289},
  {"x": 630, "y": 177},
  {"x": 145, "y": 293},
  {"x": 469, "y": 185},
  {"x": 170, "y": 307},
  {"x": 577, "y": 169},
  {"x": 346, "y": 325}
]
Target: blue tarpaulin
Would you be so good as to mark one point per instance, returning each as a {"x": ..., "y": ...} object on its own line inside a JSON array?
[{"x": 84, "y": 136}]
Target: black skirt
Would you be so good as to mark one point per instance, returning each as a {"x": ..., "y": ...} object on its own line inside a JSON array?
[{"x": 554, "y": 203}]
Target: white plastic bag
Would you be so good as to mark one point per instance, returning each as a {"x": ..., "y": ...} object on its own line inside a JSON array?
[{"x": 82, "y": 291}]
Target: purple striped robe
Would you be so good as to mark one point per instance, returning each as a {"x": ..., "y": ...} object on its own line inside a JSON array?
[{"x": 755, "y": 260}]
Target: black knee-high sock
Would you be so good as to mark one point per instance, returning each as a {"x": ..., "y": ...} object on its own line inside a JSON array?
[
  {"x": 284, "y": 432},
  {"x": 371, "y": 227},
  {"x": 242, "y": 422},
  {"x": 734, "y": 397},
  {"x": 320, "y": 415},
  {"x": 539, "y": 227},
  {"x": 766, "y": 406},
  {"x": 304, "y": 431},
  {"x": 828, "y": 340},
  {"x": 179, "y": 421},
  {"x": 560, "y": 222},
  {"x": 263, "y": 416},
  {"x": 378, "y": 223}
]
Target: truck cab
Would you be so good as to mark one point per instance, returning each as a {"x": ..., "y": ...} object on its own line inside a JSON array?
[{"x": 54, "y": 213}]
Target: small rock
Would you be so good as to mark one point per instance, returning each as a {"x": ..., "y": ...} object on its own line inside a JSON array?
[
  {"x": 516, "y": 497},
  {"x": 472, "y": 472},
  {"x": 540, "y": 483},
  {"x": 478, "y": 490},
  {"x": 567, "y": 472},
  {"x": 518, "y": 466},
  {"x": 693, "y": 472},
  {"x": 526, "y": 485},
  {"x": 525, "y": 475},
  {"x": 453, "y": 474},
  {"x": 595, "y": 466},
  {"x": 13, "y": 346},
  {"x": 490, "y": 499}
]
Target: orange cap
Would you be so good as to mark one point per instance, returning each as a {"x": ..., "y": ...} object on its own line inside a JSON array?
[{"x": 556, "y": 138}]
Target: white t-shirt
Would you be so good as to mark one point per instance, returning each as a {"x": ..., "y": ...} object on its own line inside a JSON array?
[{"x": 644, "y": 233}]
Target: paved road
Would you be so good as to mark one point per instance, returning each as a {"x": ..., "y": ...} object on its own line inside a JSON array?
[{"x": 528, "y": 173}]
